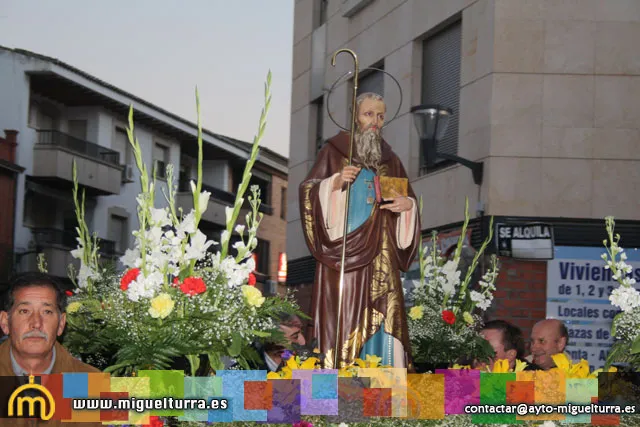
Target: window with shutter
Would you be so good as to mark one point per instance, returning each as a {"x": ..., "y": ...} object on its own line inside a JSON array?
[
  {"x": 372, "y": 82},
  {"x": 441, "y": 57}
]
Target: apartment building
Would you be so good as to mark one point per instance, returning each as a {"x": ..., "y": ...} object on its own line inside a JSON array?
[
  {"x": 544, "y": 111},
  {"x": 61, "y": 114}
]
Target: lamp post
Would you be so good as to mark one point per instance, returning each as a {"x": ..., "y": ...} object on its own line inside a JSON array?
[{"x": 431, "y": 121}]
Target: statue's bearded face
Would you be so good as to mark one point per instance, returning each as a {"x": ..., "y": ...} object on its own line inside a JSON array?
[{"x": 368, "y": 135}]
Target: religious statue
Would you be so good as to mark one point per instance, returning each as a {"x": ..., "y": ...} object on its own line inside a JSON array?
[{"x": 382, "y": 239}]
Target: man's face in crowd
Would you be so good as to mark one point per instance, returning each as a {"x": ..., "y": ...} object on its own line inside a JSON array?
[
  {"x": 293, "y": 333},
  {"x": 495, "y": 338},
  {"x": 34, "y": 322},
  {"x": 545, "y": 342}
]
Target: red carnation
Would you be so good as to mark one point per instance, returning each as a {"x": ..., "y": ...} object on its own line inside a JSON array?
[
  {"x": 252, "y": 279},
  {"x": 129, "y": 277},
  {"x": 449, "y": 317},
  {"x": 193, "y": 286},
  {"x": 69, "y": 293},
  {"x": 176, "y": 282}
]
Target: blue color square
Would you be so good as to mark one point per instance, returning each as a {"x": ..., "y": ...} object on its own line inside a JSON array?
[
  {"x": 75, "y": 385},
  {"x": 221, "y": 415},
  {"x": 324, "y": 386},
  {"x": 233, "y": 389}
]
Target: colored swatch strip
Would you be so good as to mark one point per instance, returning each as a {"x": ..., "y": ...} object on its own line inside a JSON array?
[{"x": 249, "y": 396}]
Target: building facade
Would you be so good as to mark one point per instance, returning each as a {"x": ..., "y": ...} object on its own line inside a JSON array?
[
  {"x": 62, "y": 114},
  {"x": 543, "y": 93}
]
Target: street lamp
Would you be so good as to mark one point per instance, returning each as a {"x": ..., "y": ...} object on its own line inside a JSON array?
[{"x": 431, "y": 121}]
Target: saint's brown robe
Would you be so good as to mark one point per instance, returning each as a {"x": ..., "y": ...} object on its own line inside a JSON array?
[{"x": 372, "y": 294}]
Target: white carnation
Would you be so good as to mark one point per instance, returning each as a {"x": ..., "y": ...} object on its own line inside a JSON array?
[{"x": 145, "y": 287}]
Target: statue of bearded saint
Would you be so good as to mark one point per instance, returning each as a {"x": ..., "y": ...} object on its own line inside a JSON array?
[{"x": 382, "y": 240}]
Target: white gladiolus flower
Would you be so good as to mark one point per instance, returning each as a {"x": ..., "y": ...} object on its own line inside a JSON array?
[
  {"x": 160, "y": 217},
  {"x": 131, "y": 258},
  {"x": 240, "y": 229},
  {"x": 187, "y": 226},
  {"x": 85, "y": 274},
  {"x": 203, "y": 201},
  {"x": 250, "y": 264},
  {"x": 78, "y": 252},
  {"x": 197, "y": 249},
  {"x": 154, "y": 236},
  {"x": 228, "y": 212}
]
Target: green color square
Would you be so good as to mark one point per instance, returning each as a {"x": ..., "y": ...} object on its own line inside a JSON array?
[
  {"x": 579, "y": 392},
  {"x": 200, "y": 388},
  {"x": 165, "y": 384},
  {"x": 493, "y": 391}
]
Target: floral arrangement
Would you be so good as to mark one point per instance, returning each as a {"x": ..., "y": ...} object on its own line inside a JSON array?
[
  {"x": 445, "y": 319},
  {"x": 176, "y": 298},
  {"x": 626, "y": 324}
]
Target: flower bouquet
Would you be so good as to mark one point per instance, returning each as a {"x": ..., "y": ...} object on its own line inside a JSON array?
[
  {"x": 626, "y": 324},
  {"x": 176, "y": 298},
  {"x": 445, "y": 320}
]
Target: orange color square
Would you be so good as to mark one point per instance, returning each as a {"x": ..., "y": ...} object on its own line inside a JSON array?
[
  {"x": 258, "y": 395},
  {"x": 521, "y": 392},
  {"x": 98, "y": 382},
  {"x": 114, "y": 415},
  {"x": 425, "y": 396},
  {"x": 377, "y": 402}
]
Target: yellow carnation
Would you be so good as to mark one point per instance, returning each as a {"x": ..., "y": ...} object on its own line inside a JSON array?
[
  {"x": 416, "y": 312},
  {"x": 74, "y": 307},
  {"x": 161, "y": 306},
  {"x": 253, "y": 295}
]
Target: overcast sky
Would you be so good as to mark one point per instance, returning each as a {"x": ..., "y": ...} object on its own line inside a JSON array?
[{"x": 160, "y": 50}]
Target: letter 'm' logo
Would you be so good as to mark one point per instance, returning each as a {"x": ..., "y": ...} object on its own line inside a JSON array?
[{"x": 47, "y": 402}]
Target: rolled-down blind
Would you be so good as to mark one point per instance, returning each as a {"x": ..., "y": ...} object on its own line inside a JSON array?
[
  {"x": 441, "y": 78},
  {"x": 372, "y": 82}
]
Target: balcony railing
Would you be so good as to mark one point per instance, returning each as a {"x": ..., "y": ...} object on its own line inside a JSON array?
[
  {"x": 222, "y": 196},
  {"x": 66, "y": 239},
  {"x": 80, "y": 146}
]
